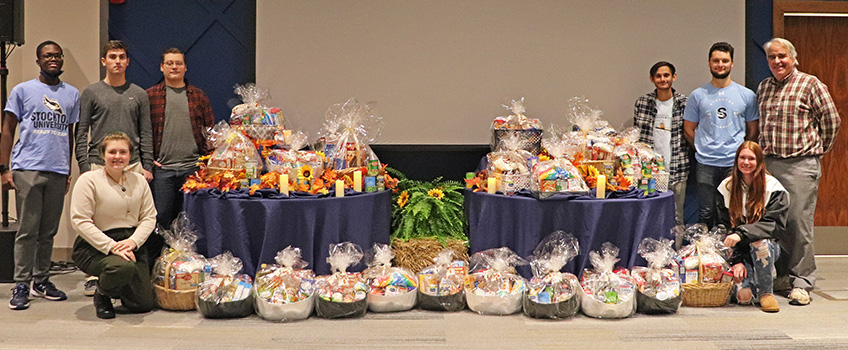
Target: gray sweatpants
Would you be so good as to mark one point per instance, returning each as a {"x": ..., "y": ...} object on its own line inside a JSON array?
[
  {"x": 39, "y": 200},
  {"x": 800, "y": 176}
]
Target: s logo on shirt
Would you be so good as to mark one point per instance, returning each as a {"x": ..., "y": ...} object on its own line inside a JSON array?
[{"x": 721, "y": 112}]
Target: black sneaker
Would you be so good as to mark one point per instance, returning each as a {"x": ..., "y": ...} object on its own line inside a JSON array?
[
  {"x": 20, "y": 297},
  {"x": 48, "y": 290}
]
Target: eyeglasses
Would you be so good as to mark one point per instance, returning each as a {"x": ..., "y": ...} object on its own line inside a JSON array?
[
  {"x": 174, "y": 63},
  {"x": 48, "y": 56}
]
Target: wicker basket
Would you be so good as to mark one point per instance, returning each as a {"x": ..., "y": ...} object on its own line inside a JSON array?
[
  {"x": 699, "y": 294},
  {"x": 531, "y": 139},
  {"x": 178, "y": 300}
]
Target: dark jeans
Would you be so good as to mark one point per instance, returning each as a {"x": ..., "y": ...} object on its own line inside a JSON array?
[
  {"x": 709, "y": 177},
  {"x": 760, "y": 266},
  {"x": 168, "y": 200},
  {"x": 119, "y": 278}
]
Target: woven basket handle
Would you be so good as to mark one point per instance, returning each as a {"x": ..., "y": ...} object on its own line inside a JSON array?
[{"x": 700, "y": 266}]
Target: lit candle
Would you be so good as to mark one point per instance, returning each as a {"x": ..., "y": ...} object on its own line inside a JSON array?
[
  {"x": 601, "y": 190},
  {"x": 339, "y": 188},
  {"x": 284, "y": 184},
  {"x": 357, "y": 181},
  {"x": 493, "y": 185}
]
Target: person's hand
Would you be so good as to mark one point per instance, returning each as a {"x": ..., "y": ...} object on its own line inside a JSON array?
[
  {"x": 147, "y": 175},
  {"x": 8, "y": 181},
  {"x": 732, "y": 239},
  {"x": 127, "y": 254},
  {"x": 739, "y": 272},
  {"x": 68, "y": 185},
  {"x": 156, "y": 163},
  {"x": 126, "y": 244}
]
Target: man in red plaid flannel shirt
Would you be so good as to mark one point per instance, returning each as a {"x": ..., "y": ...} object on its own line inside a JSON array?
[
  {"x": 179, "y": 113},
  {"x": 799, "y": 123}
]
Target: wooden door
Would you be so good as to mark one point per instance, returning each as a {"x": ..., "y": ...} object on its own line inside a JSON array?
[{"x": 819, "y": 31}]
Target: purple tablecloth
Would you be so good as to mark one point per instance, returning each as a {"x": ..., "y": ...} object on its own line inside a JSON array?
[
  {"x": 521, "y": 222},
  {"x": 256, "y": 228}
]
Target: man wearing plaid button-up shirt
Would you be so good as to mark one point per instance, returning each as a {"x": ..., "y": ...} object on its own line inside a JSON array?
[
  {"x": 799, "y": 124},
  {"x": 659, "y": 117}
]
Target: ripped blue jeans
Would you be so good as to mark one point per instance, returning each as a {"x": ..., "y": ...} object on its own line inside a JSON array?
[{"x": 760, "y": 266}]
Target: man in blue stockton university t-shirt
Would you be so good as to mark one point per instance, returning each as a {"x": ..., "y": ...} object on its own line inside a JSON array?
[
  {"x": 46, "y": 109},
  {"x": 719, "y": 116}
]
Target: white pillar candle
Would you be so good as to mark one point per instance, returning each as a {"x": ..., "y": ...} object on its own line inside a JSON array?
[
  {"x": 601, "y": 190},
  {"x": 284, "y": 184},
  {"x": 357, "y": 181},
  {"x": 339, "y": 188},
  {"x": 492, "y": 185}
]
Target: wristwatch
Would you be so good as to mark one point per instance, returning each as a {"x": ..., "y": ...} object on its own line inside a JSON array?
[{"x": 3, "y": 168}]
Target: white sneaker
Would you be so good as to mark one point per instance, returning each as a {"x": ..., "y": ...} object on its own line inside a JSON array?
[
  {"x": 799, "y": 296},
  {"x": 90, "y": 286}
]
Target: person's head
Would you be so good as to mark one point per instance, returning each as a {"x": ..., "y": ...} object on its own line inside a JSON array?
[
  {"x": 114, "y": 57},
  {"x": 173, "y": 65},
  {"x": 116, "y": 149},
  {"x": 721, "y": 60},
  {"x": 663, "y": 75},
  {"x": 749, "y": 163},
  {"x": 782, "y": 57},
  {"x": 50, "y": 58}
]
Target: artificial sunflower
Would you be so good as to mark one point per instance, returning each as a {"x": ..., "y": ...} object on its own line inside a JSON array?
[
  {"x": 404, "y": 197},
  {"x": 436, "y": 193},
  {"x": 304, "y": 174}
]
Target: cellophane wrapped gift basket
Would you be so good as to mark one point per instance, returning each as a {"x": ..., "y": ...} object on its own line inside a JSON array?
[
  {"x": 225, "y": 292},
  {"x": 493, "y": 287},
  {"x": 527, "y": 130},
  {"x": 342, "y": 294},
  {"x": 658, "y": 285},
  {"x": 441, "y": 284},
  {"x": 390, "y": 289},
  {"x": 557, "y": 175},
  {"x": 285, "y": 291},
  {"x": 302, "y": 166},
  {"x": 706, "y": 275},
  {"x": 179, "y": 270},
  {"x": 552, "y": 293},
  {"x": 234, "y": 152},
  {"x": 348, "y": 130},
  {"x": 607, "y": 293},
  {"x": 254, "y": 117}
]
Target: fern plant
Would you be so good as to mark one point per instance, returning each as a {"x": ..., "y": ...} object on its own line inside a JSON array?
[{"x": 427, "y": 209}]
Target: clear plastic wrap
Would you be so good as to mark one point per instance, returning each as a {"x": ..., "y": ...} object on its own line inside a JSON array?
[
  {"x": 179, "y": 270},
  {"x": 390, "y": 289},
  {"x": 658, "y": 286},
  {"x": 233, "y": 150},
  {"x": 703, "y": 260},
  {"x": 254, "y": 116},
  {"x": 342, "y": 294},
  {"x": 356, "y": 126},
  {"x": 225, "y": 293},
  {"x": 493, "y": 287},
  {"x": 527, "y": 130},
  {"x": 607, "y": 293},
  {"x": 582, "y": 116},
  {"x": 302, "y": 167},
  {"x": 285, "y": 291},
  {"x": 551, "y": 293},
  {"x": 511, "y": 165},
  {"x": 557, "y": 175},
  {"x": 441, "y": 284}
]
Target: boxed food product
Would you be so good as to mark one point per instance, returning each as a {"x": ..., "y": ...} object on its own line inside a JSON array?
[
  {"x": 390, "y": 288},
  {"x": 493, "y": 287},
  {"x": 285, "y": 291},
  {"x": 552, "y": 293}
]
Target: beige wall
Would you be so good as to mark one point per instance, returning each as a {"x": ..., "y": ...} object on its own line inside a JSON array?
[
  {"x": 75, "y": 25},
  {"x": 440, "y": 69}
]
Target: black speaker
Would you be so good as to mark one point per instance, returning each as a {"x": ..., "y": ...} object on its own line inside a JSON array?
[{"x": 12, "y": 21}]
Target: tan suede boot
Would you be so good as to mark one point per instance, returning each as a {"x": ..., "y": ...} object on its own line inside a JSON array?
[{"x": 768, "y": 303}]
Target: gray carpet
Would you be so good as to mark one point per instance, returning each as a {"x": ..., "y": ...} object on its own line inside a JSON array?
[{"x": 71, "y": 324}]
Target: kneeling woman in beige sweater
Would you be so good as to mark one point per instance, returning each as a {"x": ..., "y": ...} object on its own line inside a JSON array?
[{"x": 112, "y": 211}]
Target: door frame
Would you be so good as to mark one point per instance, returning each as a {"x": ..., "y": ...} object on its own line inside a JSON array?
[{"x": 782, "y": 7}]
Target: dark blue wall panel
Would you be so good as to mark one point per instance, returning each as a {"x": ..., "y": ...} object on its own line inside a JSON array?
[
  {"x": 758, "y": 30},
  {"x": 217, "y": 36}
]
